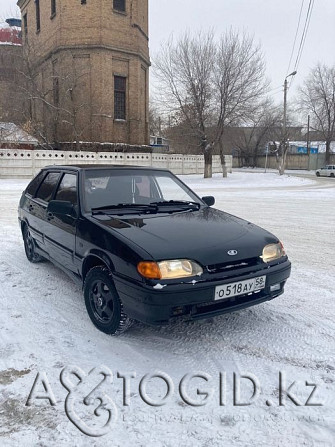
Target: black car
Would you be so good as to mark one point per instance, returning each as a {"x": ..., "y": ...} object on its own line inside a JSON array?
[{"x": 145, "y": 247}]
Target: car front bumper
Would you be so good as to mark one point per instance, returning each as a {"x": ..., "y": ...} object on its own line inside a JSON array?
[{"x": 195, "y": 301}]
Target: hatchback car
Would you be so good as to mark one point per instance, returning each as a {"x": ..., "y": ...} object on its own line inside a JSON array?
[
  {"x": 145, "y": 247},
  {"x": 326, "y": 171}
]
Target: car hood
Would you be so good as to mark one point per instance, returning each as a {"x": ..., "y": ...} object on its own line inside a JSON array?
[{"x": 205, "y": 235}]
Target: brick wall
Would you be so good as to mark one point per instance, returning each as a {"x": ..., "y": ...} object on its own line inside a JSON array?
[
  {"x": 90, "y": 43},
  {"x": 11, "y": 83}
]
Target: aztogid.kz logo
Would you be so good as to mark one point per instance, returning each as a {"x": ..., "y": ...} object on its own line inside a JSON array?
[{"x": 88, "y": 394}]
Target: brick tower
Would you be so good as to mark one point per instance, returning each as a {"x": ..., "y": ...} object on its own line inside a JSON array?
[{"x": 89, "y": 63}]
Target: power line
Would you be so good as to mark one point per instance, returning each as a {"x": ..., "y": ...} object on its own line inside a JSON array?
[
  {"x": 307, "y": 28},
  {"x": 296, "y": 35},
  {"x": 303, "y": 38},
  {"x": 304, "y": 33}
]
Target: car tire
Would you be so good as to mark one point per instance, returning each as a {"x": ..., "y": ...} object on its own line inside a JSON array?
[
  {"x": 103, "y": 304},
  {"x": 29, "y": 246},
  {"x": 318, "y": 174},
  {"x": 332, "y": 174}
]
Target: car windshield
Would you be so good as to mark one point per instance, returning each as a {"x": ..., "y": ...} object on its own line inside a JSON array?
[{"x": 106, "y": 188}]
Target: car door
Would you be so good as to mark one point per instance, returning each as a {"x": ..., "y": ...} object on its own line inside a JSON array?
[
  {"x": 329, "y": 170},
  {"x": 326, "y": 171},
  {"x": 61, "y": 230},
  {"x": 39, "y": 205},
  {"x": 29, "y": 209}
]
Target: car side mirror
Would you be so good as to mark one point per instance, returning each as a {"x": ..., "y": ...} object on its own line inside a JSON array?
[
  {"x": 61, "y": 207},
  {"x": 209, "y": 200}
]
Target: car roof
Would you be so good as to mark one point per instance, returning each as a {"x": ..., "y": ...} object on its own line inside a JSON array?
[{"x": 86, "y": 167}]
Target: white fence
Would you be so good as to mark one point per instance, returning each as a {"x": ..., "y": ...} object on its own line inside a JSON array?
[{"x": 25, "y": 164}]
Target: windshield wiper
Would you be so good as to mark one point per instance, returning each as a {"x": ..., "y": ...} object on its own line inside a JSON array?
[
  {"x": 122, "y": 208},
  {"x": 178, "y": 204},
  {"x": 153, "y": 207}
]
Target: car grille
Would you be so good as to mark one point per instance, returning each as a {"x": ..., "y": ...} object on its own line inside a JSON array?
[{"x": 238, "y": 267}]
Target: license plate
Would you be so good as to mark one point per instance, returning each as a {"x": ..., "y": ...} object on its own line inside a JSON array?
[{"x": 240, "y": 288}]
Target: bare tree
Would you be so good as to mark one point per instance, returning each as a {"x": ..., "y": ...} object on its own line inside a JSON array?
[
  {"x": 239, "y": 81},
  {"x": 251, "y": 139},
  {"x": 55, "y": 97},
  {"x": 185, "y": 70},
  {"x": 213, "y": 85},
  {"x": 36, "y": 97},
  {"x": 7, "y": 133},
  {"x": 317, "y": 96},
  {"x": 72, "y": 103},
  {"x": 155, "y": 120}
]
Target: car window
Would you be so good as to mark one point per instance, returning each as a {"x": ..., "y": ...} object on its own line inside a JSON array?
[
  {"x": 34, "y": 184},
  {"x": 46, "y": 190},
  {"x": 67, "y": 189},
  {"x": 112, "y": 187},
  {"x": 169, "y": 191},
  {"x": 118, "y": 188}
]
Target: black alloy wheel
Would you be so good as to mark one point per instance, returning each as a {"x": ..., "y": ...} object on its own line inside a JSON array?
[
  {"x": 29, "y": 246},
  {"x": 102, "y": 302}
]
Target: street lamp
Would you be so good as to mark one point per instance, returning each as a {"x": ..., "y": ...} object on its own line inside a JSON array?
[{"x": 285, "y": 114}]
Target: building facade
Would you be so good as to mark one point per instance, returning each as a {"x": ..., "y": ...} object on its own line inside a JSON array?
[
  {"x": 11, "y": 79},
  {"x": 88, "y": 63}
]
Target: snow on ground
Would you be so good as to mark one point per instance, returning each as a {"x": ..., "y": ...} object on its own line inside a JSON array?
[
  {"x": 44, "y": 328},
  {"x": 244, "y": 179}
]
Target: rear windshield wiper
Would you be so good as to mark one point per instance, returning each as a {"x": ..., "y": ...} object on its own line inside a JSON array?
[
  {"x": 177, "y": 204},
  {"x": 126, "y": 208}
]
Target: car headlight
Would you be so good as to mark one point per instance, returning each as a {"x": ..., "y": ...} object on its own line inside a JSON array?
[
  {"x": 272, "y": 252},
  {"x": 177, "y": 268}
]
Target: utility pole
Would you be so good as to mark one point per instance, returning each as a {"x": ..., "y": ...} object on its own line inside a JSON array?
[
  {"x": 160, "y": 126},
  {"x": 266, "y": 157},
  {"x": 285, "y": 112},
  {"x": 308, "y": 143},
  {"x": 282, "y": 167}
]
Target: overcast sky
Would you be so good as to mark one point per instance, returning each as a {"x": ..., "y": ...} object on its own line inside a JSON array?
[{"x": 273, "y": 23}]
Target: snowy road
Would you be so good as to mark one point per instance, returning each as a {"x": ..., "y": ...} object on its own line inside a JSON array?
[{"x": 44, "y": 328}]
